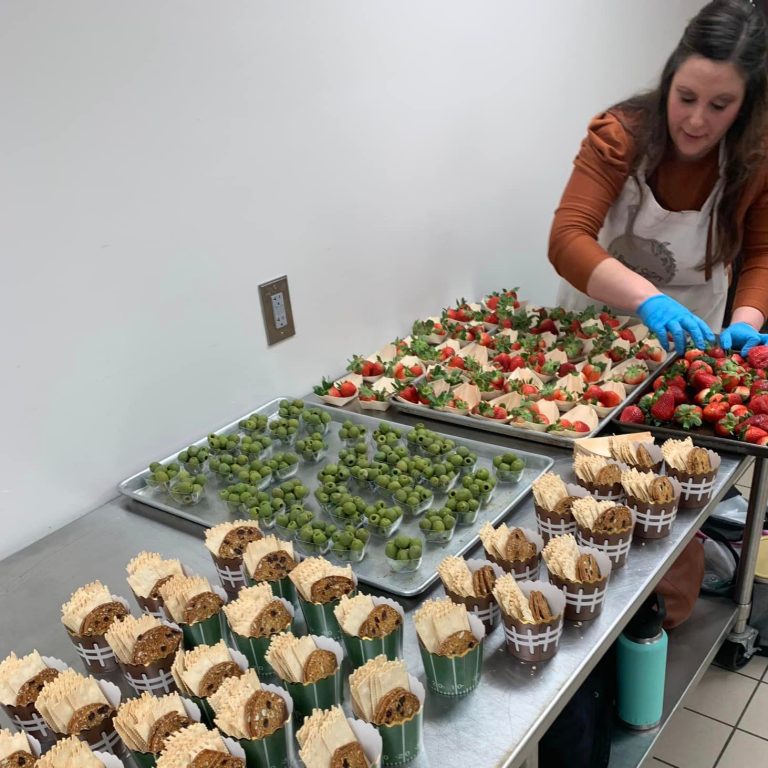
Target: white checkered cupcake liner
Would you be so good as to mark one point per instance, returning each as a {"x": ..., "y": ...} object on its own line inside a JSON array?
[
  {"x": 696, "y": 493},
  {"x": 583, "y": 602}
]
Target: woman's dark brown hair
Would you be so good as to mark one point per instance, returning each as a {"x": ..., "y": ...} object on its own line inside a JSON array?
[{"x": 724, "y": 30}]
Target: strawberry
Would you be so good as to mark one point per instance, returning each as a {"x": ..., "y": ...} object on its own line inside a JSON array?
[
  {"x": 693, "y": 354},
  {"x": 664, "y": 407},
  {"x": 565, "y": 369},
  {"x": 592, "y": 392},
  {"x": 763, "y": 441},
  {"x": 688, "y": 416},
  {"x": 758, "y": 420},
  {"x": 759, "y": 403},
  {"x": 716, "y": 352},
  {"x": 758, "y": 387},
  {"x": 742, "y": 392},
  {"x": 347, "y": 389},
  {"x": 457, "y": 362},
  {"x": 410, "y": 393},
  {"x": 699, "y": 365},
  {"x": 579, "y": 426},
  {"x": 334, "y": 392},
  {"x": 528, "y": 389},
  {"x": 565, "y": 424},
  {"x": 609, "y": 399},
  {"x": 446, "y": 353},
  {"x": 627, "y": 335},
  {"x": 545, "y": 326},
  {"x": 632, "y": 415},
  {"x": 752, "y": 434},
  {"x": 701, "y": 379},
  {"x": 416, "y": 370},
  {"x": 726, "y": 426},
  {"x": 758, "y": 356},
  {"x": 634, "y": 374},
  {"x": 740, "y": 411},
  {"x": 715, "y": 411},
  {"x": 591, "y": 373},
  {"x": 499, "y": 412},
  {"x": 679, "y": 394}
]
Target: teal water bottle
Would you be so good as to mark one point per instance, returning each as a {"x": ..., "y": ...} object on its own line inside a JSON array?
[{"x": 641, "y": 659}]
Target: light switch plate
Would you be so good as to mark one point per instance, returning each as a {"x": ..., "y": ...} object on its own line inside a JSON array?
[{"x": 276, "y": 309}]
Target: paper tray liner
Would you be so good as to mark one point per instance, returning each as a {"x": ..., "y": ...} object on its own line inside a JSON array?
[
  {"x": 696, "y": 489},
  {"x": 606, "y": 542},
  {"x": 656, "y": 529},
  {"x": 97, "y": 655}
]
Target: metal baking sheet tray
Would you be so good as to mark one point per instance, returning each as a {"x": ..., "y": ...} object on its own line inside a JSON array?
[
  {"x": 374, "y": 569},
  {"x": 702, "y": 436}
]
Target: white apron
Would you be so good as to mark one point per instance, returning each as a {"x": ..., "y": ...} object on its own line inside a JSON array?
[{"x": 665, "y": 247}]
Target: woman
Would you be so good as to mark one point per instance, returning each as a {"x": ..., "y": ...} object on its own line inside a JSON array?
[{"x": 669, "y": 187}]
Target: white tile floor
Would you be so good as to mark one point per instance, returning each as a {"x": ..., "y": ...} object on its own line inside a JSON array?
[{"x": 724, "y": 722}]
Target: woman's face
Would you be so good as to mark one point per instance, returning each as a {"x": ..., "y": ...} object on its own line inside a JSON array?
[{"x": 704, "y": 99}]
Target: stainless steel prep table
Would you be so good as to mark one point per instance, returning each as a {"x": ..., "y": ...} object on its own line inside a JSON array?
[{"x": 499, "y": 724}]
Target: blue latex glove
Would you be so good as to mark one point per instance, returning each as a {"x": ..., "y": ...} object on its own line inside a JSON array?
[
  {"x": 741, "y": 337},
  {"x": 663, "y": 315}
]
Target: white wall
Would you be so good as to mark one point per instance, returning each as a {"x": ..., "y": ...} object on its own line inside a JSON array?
[{"x": 160, "y": 159}]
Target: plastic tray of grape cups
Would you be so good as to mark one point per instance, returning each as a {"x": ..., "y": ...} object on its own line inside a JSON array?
[
  {"x": 438, "y": 526},
  {"x": 160, "y": 475},
  {"x": 186, "y": 489},
  {"x": 255, "y": 424},
  {"x": 349, "y": 545},
  {"x": 509, "y": 468},
  {"x": 315, "y": 421},
  {"x": 193, "y": 459},
  {"x": 404, "y": 554}
]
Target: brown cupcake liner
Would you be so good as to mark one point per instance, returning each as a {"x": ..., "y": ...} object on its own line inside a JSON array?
[
  {"x": 95, "y": 653},
  {"x": 540, "y": 641},
  {"x": 584, "y": 602},
  {"x": 151, "y": 605},
  {"x": 613, "y": 492},
  {"x": 653, "y": 521},
  {"x": 155, "y": 678},
  {"x": 29, "y": 720},
  {"x": 615, "y": 545},
  {"x": 551, "y": 524},
  {"x": 696, "y": 490},
  {"x": 231, "y": 572},
  {"x": 485, "y": 608}
]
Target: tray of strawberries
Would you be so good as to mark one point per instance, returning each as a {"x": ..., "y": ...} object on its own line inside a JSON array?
[{"x": 719, "y": 399}]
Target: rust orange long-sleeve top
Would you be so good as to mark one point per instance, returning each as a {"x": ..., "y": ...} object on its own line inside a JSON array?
[{"x": 600, "y": 171}]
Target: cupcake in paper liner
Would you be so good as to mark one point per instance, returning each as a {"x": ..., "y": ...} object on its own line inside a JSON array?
[
  {"x": 145, "y": 723},
  {"x": 642, "y": 455},
  {"x": 605, "y": 526},
  {"x": 328, "y": 739},
  {"x": 532, "y": 612},
  {"x": 145, "y": 648},
  {"x": 193, "y": 604},
  {"x": 74, "y": 705},
  {"x": 516, "y": 551},
  {"x": 310, "y": 667},
  {"x": 451, "y": 646},
  {"x": 320, "y": 586},
  {"x": 86, "y": 616},
  {"x": 271, "y": 560},
  {"x": 21, "y": 680},
  {"x": 694, "y": 468},
  {"x": 582, "y": 573},
  {"x": 470, "y": 583},
  {"x": 552, "y": 502},
  {"x": 227, "y": 543},
  {"x": 72, "y": 751},
  {"x": 18, "y": 750},
  {"x": 147, "y": 572},
  {"x": 258, "y": 716},
  {"x": 197, "y": 747},
  {"x": 600, "y": 476},
  {"x": 370, "y": 626},
  {"x": 199, "y": 673},
  {"x": 254, "y": 619},
  {"x": 653, "y": 500},
  {"x": 386, "y": 696}
]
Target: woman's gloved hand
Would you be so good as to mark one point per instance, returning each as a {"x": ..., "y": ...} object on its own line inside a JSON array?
[
  {"x": 663, "y": 315},
  {"x": 741, "y": 337}
]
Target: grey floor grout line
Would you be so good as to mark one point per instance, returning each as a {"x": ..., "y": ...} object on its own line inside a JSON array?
[
  {"x": 664, "y": 762},
  {"x": 736, "y": 727},
  {"x": 756, "y": 735},
  {"x": 709, "y": 717}
]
